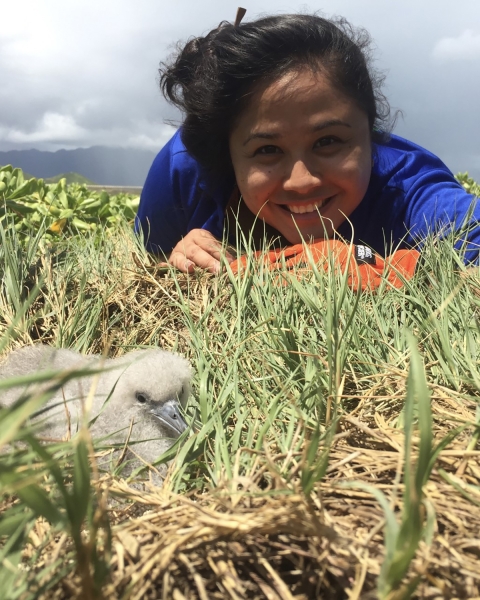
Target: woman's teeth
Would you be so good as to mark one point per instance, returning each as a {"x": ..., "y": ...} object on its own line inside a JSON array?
[{"x": 300, "y": 210}]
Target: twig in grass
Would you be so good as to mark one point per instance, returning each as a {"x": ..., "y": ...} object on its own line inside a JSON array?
[
  {"x": 67, "y": 415},
  {"x": 125, "y": 446},
  {"x": 371, "y": 432}
]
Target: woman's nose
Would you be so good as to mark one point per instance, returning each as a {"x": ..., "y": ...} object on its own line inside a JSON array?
[{"x": 301, "y": 179}]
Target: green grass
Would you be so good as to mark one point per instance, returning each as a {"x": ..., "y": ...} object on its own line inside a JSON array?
[{"x": 293, "y": 377}]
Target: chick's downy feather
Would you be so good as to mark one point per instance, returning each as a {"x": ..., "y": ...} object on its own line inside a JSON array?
[{"x": 144, "y": 387}]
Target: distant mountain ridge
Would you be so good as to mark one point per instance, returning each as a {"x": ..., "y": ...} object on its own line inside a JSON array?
[
  {"x": 103, "y": 165},
  {"x": 70, "y": 178}
]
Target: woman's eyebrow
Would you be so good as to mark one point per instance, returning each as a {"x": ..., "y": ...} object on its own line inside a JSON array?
[
  {"x": 261, "y": 135},
  {"x": 330, "y": 123},
  {"x": 264, "y": 135}
]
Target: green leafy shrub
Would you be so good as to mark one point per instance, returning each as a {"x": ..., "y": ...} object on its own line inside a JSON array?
[
  {"x": 468, "y": 183},
  {"x": 59, "y": 208}
]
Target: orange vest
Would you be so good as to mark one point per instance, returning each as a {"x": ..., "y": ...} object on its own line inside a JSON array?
[{"x": 366, "y": 269}]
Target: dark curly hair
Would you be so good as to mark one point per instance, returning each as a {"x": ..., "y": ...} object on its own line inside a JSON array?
[{"x": 212, "y": 78}]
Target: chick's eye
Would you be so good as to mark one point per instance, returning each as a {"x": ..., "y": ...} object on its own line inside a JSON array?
[{"x": 141, "y": 398}]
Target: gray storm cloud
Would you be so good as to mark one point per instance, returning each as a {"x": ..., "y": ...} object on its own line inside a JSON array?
[{"x": 84, "y": 73}]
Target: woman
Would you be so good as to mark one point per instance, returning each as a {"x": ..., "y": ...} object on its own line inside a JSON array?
[{"x": 286, "y": 128}]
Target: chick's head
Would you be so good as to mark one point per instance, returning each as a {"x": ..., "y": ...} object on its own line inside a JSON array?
[{"x": 155, "y": 384}]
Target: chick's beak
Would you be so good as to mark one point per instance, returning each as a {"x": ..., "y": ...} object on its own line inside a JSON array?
[{"x": 169, "y": 415}]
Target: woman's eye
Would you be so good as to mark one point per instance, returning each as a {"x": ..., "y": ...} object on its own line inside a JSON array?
[
  {"x": 326, "y": 141},
  {"x": 267, "y": 150}
]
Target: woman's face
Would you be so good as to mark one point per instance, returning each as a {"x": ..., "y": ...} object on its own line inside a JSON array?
[{"x": 302, "y": 155}]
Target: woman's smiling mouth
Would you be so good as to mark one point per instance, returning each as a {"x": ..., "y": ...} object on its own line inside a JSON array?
[{"x": 300, "y": 209}]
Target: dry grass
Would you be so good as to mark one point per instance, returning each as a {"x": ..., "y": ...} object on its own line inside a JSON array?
[
  {"x": 234, "y": 519},
  {"x": 257, "y": 536}
]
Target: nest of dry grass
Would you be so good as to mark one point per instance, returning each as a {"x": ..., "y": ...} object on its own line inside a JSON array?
[{"x": 258, "y": 536}]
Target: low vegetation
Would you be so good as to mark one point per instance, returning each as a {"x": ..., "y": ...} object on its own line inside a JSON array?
[
  {"x": 334, "y": 443},
  {"x": 34, "y": 206}
]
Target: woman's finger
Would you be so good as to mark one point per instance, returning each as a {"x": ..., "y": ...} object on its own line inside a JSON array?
[
  {"x": 196, "y": 257},
  {"x": 207, "y": 242},
  {"x": 199, "y": 248}
]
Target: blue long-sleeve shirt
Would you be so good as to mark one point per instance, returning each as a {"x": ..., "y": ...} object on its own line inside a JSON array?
[{"x": 411, "y": 194}]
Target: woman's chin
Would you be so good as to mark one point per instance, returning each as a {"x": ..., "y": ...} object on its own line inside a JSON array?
[{"x": 310, "y": 234}]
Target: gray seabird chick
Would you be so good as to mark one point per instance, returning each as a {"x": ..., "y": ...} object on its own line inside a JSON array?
[{"x": 147, "y": 387}]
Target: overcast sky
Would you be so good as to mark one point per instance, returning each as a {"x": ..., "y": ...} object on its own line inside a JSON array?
[{"x": 78, "y": 73}]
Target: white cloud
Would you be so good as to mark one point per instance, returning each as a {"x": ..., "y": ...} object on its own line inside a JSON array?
[
  {"x": 466, "y": 46},
  {"x": 151, "y": 141},
  {"x": 56, "y": 131},
  {"x": 53, "y": 127}
]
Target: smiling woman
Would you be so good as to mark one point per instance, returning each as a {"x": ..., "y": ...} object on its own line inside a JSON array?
[
  {"x": 302, "y": 155},
  {"x": 286, "y": 125}
]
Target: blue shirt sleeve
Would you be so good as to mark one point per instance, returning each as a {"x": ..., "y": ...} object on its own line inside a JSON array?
[
  {"x": 176, "y": 199},
  {"x": 412, "y": 194},
  {"x": 436, "y": 203}
]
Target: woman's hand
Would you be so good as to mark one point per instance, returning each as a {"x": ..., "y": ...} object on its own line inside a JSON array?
[{"x": 199, "y": 248}]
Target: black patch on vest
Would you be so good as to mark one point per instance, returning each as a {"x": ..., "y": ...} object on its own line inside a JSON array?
[{"x": 364, "y": 255}]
